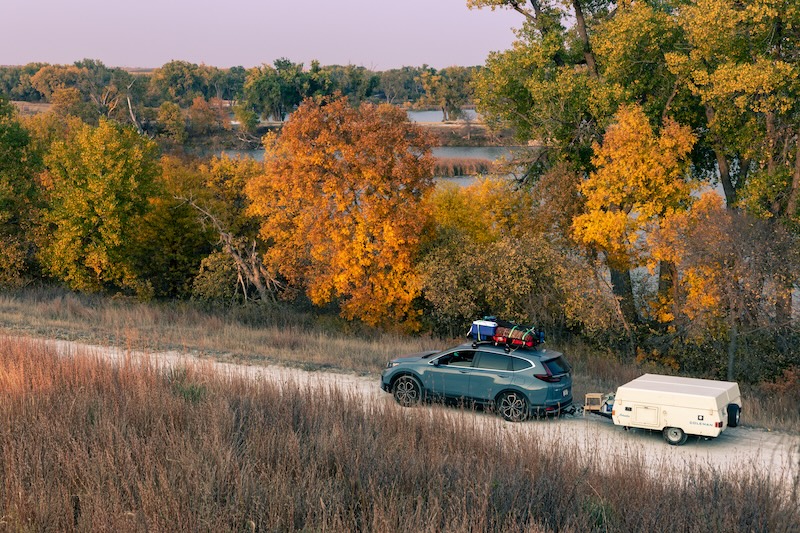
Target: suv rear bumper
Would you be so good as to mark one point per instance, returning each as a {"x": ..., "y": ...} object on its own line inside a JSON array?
[{"x": 552, "y": 409}]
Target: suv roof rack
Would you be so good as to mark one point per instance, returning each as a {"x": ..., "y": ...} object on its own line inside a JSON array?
[{"x": 506, "y": 347}]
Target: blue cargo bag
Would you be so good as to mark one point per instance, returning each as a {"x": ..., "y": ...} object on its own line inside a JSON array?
[{"x": 482, "y": 330}]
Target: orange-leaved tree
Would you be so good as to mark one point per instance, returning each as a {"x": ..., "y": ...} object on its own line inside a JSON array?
[
  {"x": 726, "y": 292},
  {"x": 340, "y": 204}
]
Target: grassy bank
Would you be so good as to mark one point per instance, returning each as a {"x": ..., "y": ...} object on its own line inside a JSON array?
[
  {"x": 92, "y": 447},
  {"x": 250, "y": 334},
  {"x": 451, "y": 167},
  {"x": 258, "y": 335}
]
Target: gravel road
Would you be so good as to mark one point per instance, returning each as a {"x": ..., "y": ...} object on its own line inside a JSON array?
[{"x": 592, "y": 438}]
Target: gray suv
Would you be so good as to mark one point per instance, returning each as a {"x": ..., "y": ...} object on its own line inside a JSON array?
[{"x": 517, "y": 383}]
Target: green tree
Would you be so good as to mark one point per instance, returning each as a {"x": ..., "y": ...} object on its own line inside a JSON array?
[
  {"x": 171, "y": 241},
  {"x": 15, "y": 82},
  {"x": 178, "y": 82},
  {"x": 449, "y": 89},
  {"x": 247, "y": 118},
  {"x": 401, "y": 85},
  {"x": 549, "y": 90},
  {"x": 172, "y": 121},
  {"x": 98, "y": 186},
  {"x": 355, "y": 82},
  {"x": 274, "y": 92},
  {"x": 101, "y": 91},
  {"x": 18, "y": 192}
]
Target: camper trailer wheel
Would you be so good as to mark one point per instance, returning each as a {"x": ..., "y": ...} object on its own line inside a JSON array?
[
  {"x": 734, "y": 414},
  {"x": 407, "y": 391},
  {"x": 675, "y": 436},
  {"x": 513, "y": 407}
]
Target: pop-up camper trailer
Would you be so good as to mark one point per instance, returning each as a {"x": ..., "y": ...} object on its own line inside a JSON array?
[{"x": 677, "y": 406}]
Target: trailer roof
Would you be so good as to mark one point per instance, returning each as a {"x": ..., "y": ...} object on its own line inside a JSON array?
[{"x": 681, "y": 385}]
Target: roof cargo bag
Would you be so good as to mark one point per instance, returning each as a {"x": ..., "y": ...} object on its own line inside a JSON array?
[
  {"x": 482, "y": 330},
  {"x": 518, "y": 336}
]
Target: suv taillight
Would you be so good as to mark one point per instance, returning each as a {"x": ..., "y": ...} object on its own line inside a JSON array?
[{"x": 548, "y": 378}]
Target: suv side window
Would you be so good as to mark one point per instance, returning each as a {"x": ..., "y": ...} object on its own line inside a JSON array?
[
  {"x": 519, "y": 364},
  {"x": 462, "y": 358},
  {"x": 493, "y": 361}
]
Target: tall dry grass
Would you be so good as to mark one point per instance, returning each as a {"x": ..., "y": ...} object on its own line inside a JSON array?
[{"x": 89, "y": 446}]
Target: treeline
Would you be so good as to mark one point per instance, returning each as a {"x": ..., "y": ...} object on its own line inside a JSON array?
[
  {"x": 180, "y": 99},
  {"x": 343, "y": 215},
  {"x": 640, "y": 110}
]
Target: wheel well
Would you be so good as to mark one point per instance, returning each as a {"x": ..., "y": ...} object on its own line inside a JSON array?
[
  {"x": 516, "y": 391},
  {"x": 401, "y": 374}
]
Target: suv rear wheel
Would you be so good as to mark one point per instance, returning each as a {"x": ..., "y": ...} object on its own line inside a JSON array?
[{"x": 513, "y": 406}]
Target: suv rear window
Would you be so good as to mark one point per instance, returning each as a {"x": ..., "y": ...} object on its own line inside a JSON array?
[
  {"x": 519, "y": 364},
  {"x": 557, "y": 366}
]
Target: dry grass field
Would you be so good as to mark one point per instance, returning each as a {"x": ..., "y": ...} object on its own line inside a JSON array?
[
  {"x": 257, "y": 335},
  {"x": 91, "y": 446},
  {"x": 32, "y": 108}
]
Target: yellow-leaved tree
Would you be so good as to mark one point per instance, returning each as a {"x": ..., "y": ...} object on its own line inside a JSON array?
[
  {"x": 488, "y": 256},
  {"x": 641, "y": 179},
  {"x": 340, "y": 207},
  {"x": 97, "y": 186}
]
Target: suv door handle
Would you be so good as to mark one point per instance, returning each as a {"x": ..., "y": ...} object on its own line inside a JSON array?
[{"x": 464, "y": 371}]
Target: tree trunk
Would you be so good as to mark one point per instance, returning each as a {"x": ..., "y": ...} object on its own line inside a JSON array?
[
  {"x": 791, "y": 204},
  {"x": 733, "y": 339},
  {"x": 622, "y": 288},
  {"x": 580, "y": 23},
  {"x": 248, "y": 262},
  {"x": 723, "y": 166},
  {"x": 667, "y": 290}
]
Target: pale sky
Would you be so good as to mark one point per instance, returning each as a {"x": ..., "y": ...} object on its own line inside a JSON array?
[{"x": 377, "y": 34}]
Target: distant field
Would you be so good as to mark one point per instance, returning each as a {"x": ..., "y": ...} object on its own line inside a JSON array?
[{"x": 30, "y": 108}]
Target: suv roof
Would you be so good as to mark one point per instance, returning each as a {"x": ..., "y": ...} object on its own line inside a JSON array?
[{"x": 509, "y": 350}]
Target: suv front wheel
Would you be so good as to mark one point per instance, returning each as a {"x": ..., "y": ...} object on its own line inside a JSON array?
[{"x": 407, "y": 391}]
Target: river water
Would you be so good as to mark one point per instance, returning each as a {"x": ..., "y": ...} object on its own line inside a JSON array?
[
  {"x": 492, "y": 153},
  {"x": 436, "y": 115}
]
